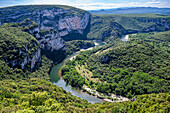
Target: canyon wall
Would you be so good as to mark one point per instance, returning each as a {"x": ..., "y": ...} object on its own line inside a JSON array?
[{"x": 50, "y": 25}]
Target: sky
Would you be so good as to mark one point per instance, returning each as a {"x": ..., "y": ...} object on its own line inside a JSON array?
[{"x": 91, "y": 4}]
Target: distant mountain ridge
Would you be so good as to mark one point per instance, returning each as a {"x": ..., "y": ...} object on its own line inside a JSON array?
[{"x": 132, "y": 10}]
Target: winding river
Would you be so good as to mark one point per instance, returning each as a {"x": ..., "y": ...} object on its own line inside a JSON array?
[{"x": 58, "y": 81}]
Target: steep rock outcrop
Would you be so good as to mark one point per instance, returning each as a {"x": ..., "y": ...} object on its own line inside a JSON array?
[
  {"x": 49, "y": 25},
  {"x": 24, "y": 60},
  {"x": 68, "y": 21},
  {"x": 19, "y": 49},
  {"x": 34, "y": 61},
  {"x": 49, "y": 39},
  {"x": 72, "y": 25}
]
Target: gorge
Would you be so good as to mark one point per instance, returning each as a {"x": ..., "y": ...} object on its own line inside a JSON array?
[{"x": 36, "y": 42}]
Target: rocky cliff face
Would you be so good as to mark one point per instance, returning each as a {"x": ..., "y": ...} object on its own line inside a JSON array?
[
  {"x": 50, "y": 25},
  {"x": 49, "y": 39},
  {"x": 69, "y": 22},
  {"x": 19, "y": 49},
  {"x": 33, "y": 60}
]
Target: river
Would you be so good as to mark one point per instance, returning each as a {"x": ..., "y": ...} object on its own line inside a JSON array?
[
  {"x": 125, "y": 37},
  {"x": 56, "y": 79}
]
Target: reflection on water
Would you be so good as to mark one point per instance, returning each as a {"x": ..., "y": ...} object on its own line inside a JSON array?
[{"x": 125, "y": 38}]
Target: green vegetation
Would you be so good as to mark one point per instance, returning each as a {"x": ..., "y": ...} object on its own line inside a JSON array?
[
  {"x": 139, "y": 22},
  {"x": 129, "y": 69},
  {"x": 15, "y": 36},
  {"x": 159, "y": 39},
  {"x": 32, "y": 94},
  {"x": 37, "y": 95},
  {"x": 70, "y": 47},
  {"x": 23, "y": 91},
  {"x": 15, "y": 45},
  {"x": 108, "y": 27},
  {"x": 8, "y": 73},
  {"x": 76, "y": 45},
  {"x": 104, "y": 27},
  {"x": 132, "y": 69},
  {"x": 151, "y": 103}
]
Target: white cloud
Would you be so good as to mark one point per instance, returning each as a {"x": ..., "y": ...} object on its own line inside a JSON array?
[
  {"x": 93, "y": 6},
  {"x": 87, "y": 5},
  {"x": 154, "y": 2},
  {"x": 63, "y": 2},
  {"x": 90, "y": 5}
]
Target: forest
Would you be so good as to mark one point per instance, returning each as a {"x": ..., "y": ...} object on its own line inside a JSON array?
[
  {"x": 108, "y": 27},
  {"x": 24, "y": 91},
  {"x": 76, "y": 45},
  {"x": 137, "y": 69}
]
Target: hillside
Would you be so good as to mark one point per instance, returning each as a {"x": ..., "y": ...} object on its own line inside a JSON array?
[
  {"x": 19, "y": 49},
  {"x": 23, "y": 91},
  {"x": 37, "y": 95},
  {"x": 132, "y": 69},
  {"x": 76, "y": 45},
  {"x": 159, "y": 39},
  {"x": 70, "y": 22},
  {"x": 35, "y": 37},
  {"x": 51, "y": 25},
  {"x": 133, "y": 10},
  {"x": 144, "y": 103},
  {"x": 109, "y": 27}
]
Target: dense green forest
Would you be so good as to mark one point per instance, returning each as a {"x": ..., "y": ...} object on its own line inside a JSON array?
[
  {"x": 108, "y": 27},
  {"x": 159, "y": 39},
  {"x": 32, "y": 92},
  {"x": 23, "y": 91},
  {"x": 138, "y": 69},
  {"x": 135, "y": 68},
  {"x": 76, "y": 45},
  {"x": 15, "y": 45},
  {"x": 38, "y": 95}
]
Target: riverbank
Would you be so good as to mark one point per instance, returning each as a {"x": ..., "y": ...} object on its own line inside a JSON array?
[
  {"x": 55, "y": 76},
  {"x": 56, "y": 79},
  {"x": 97, "y": 44},
  {"x": 106, "y": 97}
]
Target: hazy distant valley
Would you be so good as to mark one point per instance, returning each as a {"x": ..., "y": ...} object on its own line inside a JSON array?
[{"x": 132, "y": 10}]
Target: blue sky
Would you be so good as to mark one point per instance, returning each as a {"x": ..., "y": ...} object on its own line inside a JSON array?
[{"x": 92, "y": 4}]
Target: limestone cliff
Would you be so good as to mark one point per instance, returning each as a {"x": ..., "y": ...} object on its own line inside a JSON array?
[
  {"x": 50, "y": 25},
  {"x": 48, "y": 39},
  {"x": 71, "y": 23},
  {"x": 34, "y": 61},
  {"x": 19, "y": 49}
]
